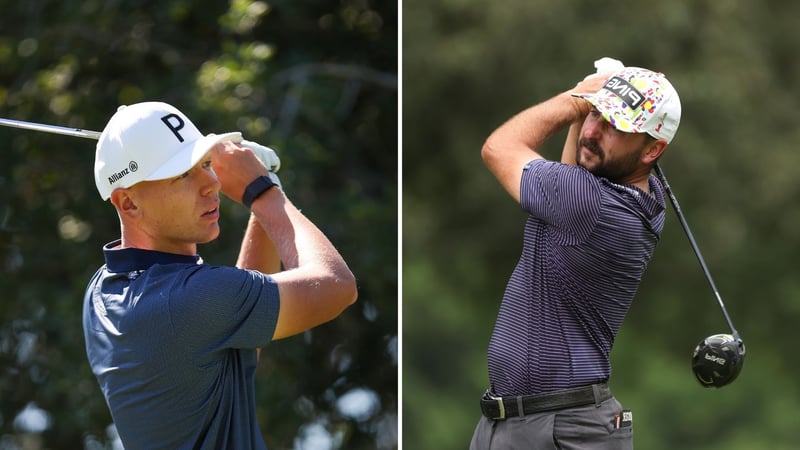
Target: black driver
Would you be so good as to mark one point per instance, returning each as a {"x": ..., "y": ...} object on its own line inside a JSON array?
[{"x": 717, "y": 360}]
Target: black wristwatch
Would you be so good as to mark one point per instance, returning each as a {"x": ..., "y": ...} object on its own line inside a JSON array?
[{"x": 255, "y": 189}]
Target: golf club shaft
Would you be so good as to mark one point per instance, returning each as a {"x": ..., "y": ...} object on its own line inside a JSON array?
[
  {"x": 77, "y": 132},
  {"x": 685, "y": 225}
]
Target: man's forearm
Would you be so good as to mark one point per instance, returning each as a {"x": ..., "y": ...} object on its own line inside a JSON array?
[
  {"x": 258, "y": 252},
  {"x": 316, "y": 285},
  {"x": 299, "y": 242},
  {"x": 535, "y": 125},
  {"x": 520, "y": 139},
  {"x": 569, "y": 153}
]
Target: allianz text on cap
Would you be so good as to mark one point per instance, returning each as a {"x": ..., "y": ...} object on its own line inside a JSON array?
[
  {"x": 636, "y": 100},
  {"x": 149, "y": 141}
]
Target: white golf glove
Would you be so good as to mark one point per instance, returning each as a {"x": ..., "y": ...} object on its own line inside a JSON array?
[
  {"x": 268, "y": 158},
  {"x": 606, "y": 64},
  {"x": 266, "y": 155}
]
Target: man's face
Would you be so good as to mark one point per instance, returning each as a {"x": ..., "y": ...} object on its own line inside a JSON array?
[
  {"x": 608, "y": 152},
  {"x": 180, "y": 212}
]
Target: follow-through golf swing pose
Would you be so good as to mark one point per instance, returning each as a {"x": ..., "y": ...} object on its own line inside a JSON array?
[
  {"x": 172, "y": 340},
  {"x": 594, "y": 220}
]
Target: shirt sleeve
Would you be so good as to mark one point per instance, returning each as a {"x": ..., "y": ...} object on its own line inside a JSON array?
[
  {"x": 217, "y": 308},
  {"x": 563, "y": 196}
]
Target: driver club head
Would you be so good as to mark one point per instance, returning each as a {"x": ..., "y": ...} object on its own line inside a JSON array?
[{"x": 717, "y": 360}]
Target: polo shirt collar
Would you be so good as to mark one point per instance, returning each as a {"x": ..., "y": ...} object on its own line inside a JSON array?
[{"x": 131, "y": 259}]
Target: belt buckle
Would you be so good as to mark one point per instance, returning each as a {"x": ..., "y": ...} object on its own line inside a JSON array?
[{"x": 500, "y": 405}]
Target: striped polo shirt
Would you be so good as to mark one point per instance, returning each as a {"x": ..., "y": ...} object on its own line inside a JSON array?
[
  {"x": 586, "y": 244},
  {"x": 172, "y": 343}
]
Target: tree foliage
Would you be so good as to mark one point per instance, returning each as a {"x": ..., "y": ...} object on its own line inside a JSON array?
[
  {"x": 467, "y": 67},
  {"x": 314, "y": 79}
]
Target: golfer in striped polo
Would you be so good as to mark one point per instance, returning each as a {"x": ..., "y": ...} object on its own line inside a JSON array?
[{"x": 594, "y": 219}]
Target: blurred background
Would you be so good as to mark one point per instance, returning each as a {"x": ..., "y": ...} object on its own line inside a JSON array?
[
  {"x": 468, "y": 66},
  {"x": 314, "y": 79}
]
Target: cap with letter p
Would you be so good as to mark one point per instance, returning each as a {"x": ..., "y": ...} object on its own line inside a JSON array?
[
  {"x": 636, "y": 100},
  {"x": 146, "y": 142}
]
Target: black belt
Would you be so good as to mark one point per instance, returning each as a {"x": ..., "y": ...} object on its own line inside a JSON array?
[{"x": 500, "y": 408}]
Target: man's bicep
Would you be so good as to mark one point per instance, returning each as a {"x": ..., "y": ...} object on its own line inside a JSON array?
[
  {"x": 505, "y": 159},
  {"x": 509, "y": 172}
]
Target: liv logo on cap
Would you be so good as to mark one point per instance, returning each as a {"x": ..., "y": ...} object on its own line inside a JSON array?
[{"x": 146, "y": 142}]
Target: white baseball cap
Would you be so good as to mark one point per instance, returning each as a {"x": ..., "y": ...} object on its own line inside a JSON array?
[
  {"x": 636, "y": 100},
  {"x": 149, "y": 141}
]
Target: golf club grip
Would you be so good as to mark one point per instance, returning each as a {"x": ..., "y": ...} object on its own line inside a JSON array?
[{"x": 688, "y": 231}]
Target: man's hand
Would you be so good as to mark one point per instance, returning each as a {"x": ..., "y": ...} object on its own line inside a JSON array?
[
  {"x": 604, "y": 66},
  {"x": 235, "y": 167},
  {"x": 589, "y": 85}
]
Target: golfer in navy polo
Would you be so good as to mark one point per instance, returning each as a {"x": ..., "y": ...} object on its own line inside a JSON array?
[
  {"x": 594, "y": 219},
  {"x": 174, "y": 341}
]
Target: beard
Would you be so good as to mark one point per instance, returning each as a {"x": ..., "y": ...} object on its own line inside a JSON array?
[{"x": 614, "y": 169}]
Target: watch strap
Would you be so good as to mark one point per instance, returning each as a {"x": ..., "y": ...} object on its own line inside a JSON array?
[{"x": 255, "y": 189}]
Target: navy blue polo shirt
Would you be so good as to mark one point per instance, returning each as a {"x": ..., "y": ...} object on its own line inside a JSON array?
[
  {"x": 172, "y": 342},
  {"x": 586, "y": 244}
]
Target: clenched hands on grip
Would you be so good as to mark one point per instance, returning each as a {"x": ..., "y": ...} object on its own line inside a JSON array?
[
  {"x": 236, "y": 167},
  {"x": 589, "y": 85}
]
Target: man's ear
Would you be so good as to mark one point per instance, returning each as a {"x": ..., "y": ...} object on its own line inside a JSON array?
[
  {"x": 654, "y": 151},
  {"x": 125, "y": 202}
]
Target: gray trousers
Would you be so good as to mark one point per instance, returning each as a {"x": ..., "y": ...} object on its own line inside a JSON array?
[{"x": 589, "y": 427}]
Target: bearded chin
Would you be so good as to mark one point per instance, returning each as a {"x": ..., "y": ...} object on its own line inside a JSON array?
[
  {"x": 581, "y": 160},
  {"x": 596, "y": 150},
  {"x": 616, "y": 169}
]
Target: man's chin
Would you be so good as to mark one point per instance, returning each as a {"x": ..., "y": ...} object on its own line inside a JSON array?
[
  {"x": 210, "y": 237},
  {"x": 586, "y": 152},
  {"x": 587, "y": 163}
]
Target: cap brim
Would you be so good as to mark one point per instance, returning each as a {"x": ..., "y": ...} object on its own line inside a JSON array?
[
  {"x": 190, "y": 155},
  {"x": 593, "y": 99},
  {"x": 604, "y": 105}
]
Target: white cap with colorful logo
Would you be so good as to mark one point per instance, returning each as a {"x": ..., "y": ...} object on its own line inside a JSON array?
[
  {"x": 149, "y": 141},
  {"x": 636, "y": 100}
]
